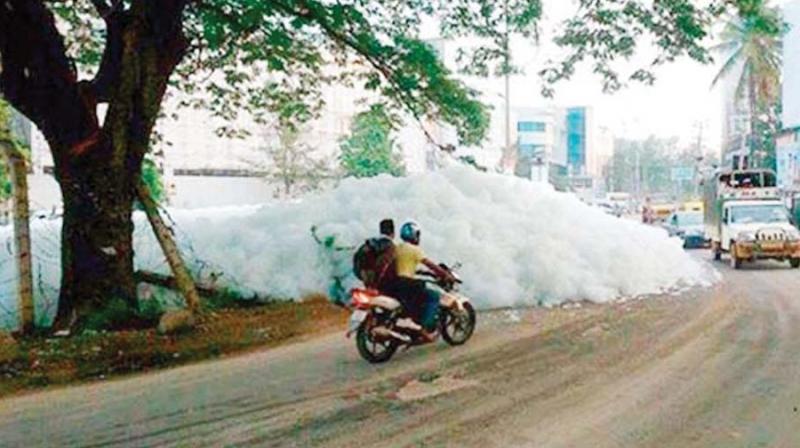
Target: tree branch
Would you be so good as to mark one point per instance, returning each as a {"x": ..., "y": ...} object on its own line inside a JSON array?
[
  {"x": 38, "y": 78},
  {"x": 110, "y": 64},
  {"x": 102, "y": 7},
  {"x": 381, "y": 66}
]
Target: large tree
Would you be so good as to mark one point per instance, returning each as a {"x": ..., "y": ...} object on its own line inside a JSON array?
[{"x": 62, "y": 58}]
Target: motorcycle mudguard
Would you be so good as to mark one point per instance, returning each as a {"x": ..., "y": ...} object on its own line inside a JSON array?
[
  {"x": 452, "y": 300},
  {"x": 355, "y": 321}
]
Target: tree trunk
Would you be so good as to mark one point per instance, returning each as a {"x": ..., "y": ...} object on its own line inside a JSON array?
[
  {"x": 97, "y": 167},
  {"x": 97, "y": 238}
]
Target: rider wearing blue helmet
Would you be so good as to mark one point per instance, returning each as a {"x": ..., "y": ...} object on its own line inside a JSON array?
[{"x": 408, "y": 255}]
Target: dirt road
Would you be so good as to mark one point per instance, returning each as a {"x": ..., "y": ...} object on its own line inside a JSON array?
[{"x": 717, "y": 367}]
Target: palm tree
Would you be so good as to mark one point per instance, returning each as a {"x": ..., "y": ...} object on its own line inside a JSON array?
[{"x": 752, "y": 44}]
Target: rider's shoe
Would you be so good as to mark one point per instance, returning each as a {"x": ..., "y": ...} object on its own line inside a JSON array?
[{"x": 428, "y": 336}]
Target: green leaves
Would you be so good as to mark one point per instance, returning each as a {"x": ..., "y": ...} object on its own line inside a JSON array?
[
  {"x": 8, "y": 142},
  {"x": 295, "y": 45},
  {"x": 5, "y": 139},
  {"x": 370, "y": 150},
  {"x": 151, "y": 176},
  {"x": 273, "y": 59},
  {"x": 607, "y": 31}
]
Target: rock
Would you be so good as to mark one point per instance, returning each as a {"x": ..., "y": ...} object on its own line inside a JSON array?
[
  {"x": 61, "y": 333},
  {"x": 173, "y": 322}
]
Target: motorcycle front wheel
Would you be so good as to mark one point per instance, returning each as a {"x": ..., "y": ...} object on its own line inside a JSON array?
[
  {"x": 458, "y": 325},
  {"x": 372, "y": 350}
]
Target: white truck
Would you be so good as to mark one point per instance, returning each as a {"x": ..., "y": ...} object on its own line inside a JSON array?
[{"x": 745, "y": 217}]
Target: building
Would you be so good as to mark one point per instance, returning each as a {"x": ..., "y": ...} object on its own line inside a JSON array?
[
  {"x": 601, "y": 152},
  {"x": 563, "y": 146},
  {"x": 538, "y": 132},
  {"x": 787, "y": 151},
  {"x": 578, "y": 136},
  {"x": 202, "y": 168}
]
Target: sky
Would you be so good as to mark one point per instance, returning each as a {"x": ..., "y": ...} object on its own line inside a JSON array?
[{"x": 680, "y": 100}]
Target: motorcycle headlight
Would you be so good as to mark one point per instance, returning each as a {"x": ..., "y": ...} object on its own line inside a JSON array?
[{"x": 746, "y": 236}]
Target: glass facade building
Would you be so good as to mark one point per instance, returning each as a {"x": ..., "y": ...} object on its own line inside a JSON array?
[{"x": 576, "y": 139}]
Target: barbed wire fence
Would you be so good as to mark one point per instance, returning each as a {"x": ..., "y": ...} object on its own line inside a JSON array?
[
  {"x": 46, "y": 261},
  {"x": 199, "y": 267},
  {"x": 46, "y": 258}
]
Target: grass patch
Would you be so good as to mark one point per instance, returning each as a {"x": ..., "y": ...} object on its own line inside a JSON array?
[{"x": 41, "y": 362}]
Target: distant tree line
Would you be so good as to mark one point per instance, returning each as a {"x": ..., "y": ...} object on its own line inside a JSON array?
[{"x": 645, "y": 167}]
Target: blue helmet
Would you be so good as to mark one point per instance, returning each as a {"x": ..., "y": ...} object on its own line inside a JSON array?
[{"x": 410, "y": 232}]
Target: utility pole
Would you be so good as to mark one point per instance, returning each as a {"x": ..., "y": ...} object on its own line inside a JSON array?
[
  {"x": 637, "y": 174},
  {"x": 699, "y": 144},
  {"x": 698, "y": 157},
  {"x": 508, "y": 155}
]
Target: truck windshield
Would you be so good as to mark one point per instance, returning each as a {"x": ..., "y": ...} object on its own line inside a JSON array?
[{"x": 744, "y": 214}]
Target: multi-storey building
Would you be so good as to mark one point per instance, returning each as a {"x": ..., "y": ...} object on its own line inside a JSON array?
[
  {"x": 562, "y": 145},
  {"x": 788, "y": 141}
]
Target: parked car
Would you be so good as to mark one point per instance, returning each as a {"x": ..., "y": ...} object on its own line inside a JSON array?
[
  {"x": 688, "y": 225},
  {"x": 661, "y": 212},
  {"x": 610, "y": 209}
]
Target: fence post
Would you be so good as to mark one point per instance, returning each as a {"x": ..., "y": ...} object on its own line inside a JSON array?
[
  {"x": 22, "y": 235},
  {"x": 183, "y": 279}
]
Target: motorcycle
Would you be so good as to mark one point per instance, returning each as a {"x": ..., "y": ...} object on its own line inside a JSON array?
[{"x": 381, "y": 324}]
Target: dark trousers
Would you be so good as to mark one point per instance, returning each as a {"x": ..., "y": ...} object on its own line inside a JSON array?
[{"x": 410, "y": 292}]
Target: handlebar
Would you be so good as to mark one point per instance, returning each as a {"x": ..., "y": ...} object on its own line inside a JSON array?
[{"x": 430, "y": 276}]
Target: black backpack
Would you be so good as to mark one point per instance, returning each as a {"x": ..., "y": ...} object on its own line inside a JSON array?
[{"x": 373, "y": 262}]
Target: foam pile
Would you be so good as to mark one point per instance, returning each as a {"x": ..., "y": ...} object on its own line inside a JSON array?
[{"x": 520, "y": 242}]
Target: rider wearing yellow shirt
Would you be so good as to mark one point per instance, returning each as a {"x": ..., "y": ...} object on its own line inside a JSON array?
[{"x": 408, "y": 256}]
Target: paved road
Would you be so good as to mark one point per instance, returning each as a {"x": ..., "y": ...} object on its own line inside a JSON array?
[{"x": 717, "y": 367}]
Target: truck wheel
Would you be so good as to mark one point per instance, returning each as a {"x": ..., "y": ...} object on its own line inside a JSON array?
[
  {"x": 794, "y": 263},
  {"x": 717, "y": 251},
  {"x": 736, "y": 262}
]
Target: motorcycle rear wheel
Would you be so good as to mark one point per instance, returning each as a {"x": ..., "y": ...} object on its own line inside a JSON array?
[
  {"x": 457, "y": 326},
  {"x": 375, "y": 352}
]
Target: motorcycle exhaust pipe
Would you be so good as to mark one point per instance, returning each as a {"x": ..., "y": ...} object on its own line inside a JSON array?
[{"x": 387, "y": 333}]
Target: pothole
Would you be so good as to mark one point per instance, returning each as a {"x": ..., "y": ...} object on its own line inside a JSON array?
[{"x": 421, "y": 389}]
